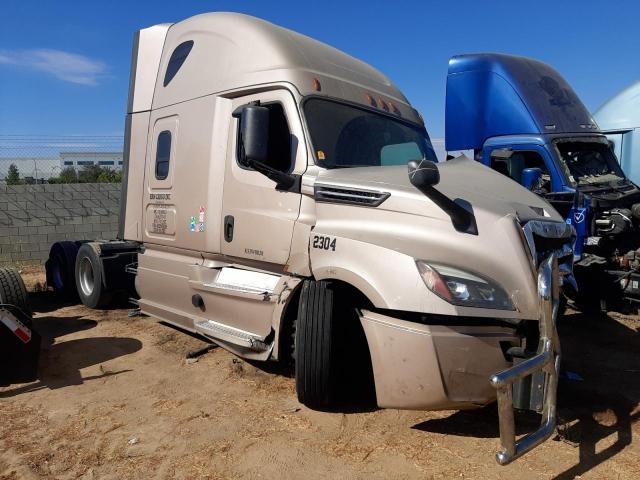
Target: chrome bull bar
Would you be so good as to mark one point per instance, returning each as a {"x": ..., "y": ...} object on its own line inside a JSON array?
[{"x": 547, "y": 360}]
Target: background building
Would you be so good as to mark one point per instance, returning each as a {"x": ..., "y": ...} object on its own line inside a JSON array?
[{"x": 112, "y": 160}]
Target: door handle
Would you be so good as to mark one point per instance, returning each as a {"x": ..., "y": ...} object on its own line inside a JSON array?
[{"x": 228, "y": 228}]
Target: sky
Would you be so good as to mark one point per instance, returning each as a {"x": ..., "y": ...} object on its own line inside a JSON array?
[{"x": 64, "y": 64}]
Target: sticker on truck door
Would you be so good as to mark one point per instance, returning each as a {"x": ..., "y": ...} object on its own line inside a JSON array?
[
  {"x": 324, "y": 243},
  {"x": 197, "y": 225}
]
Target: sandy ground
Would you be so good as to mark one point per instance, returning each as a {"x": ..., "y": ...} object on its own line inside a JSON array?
[{"x": 117, "y": 399}]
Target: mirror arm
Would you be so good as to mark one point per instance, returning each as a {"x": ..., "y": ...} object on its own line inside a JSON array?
[
  {"x": 283, "y": 180},
  {"x": 461, "y": 218}
]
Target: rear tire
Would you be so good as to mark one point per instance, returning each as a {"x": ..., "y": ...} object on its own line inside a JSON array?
[
  {"x": 316, "y": 345},
  {"x": 18, "y": 361},
  {"x": 89, "y": 274},
  {"x": 61, "y": 269}
]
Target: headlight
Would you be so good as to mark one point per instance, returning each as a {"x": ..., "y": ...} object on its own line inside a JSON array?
[{"x": 463, "y": 288}]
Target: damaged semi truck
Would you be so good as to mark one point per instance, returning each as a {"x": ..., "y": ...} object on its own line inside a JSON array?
[
  {"x": 283, "y": 200},
  {"x": 523, "y": 119}
]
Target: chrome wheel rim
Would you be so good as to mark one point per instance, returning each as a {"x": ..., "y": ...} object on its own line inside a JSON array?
[{"x": 87, "y": 280}]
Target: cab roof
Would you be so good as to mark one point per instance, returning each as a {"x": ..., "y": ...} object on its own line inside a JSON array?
[
  {"x": 232, "y": 51},
  {"x": 493, "y": 94}
]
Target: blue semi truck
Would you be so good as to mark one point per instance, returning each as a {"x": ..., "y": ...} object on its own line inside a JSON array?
[{"x": 521, "y": 118}]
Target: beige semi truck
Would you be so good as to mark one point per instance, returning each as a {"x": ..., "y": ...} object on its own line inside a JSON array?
[{"x": 283, "y": 199}]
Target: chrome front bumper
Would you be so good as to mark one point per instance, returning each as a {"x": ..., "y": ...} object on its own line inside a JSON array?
[{"x": 547, "y": 360}]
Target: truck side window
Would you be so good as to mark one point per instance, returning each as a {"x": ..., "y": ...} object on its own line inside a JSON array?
[
  {"x": 163, "y": 155},
  {"x": 176, "y": 60},
  {"x": 279, "y": 148},
  {"x": 513, "y": 166}
]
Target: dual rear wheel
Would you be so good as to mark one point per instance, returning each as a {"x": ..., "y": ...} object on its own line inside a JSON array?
[{"x": 89, "y": 277}]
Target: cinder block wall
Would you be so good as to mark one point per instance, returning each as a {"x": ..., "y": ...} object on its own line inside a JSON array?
[{"x": 32, "y": 217}]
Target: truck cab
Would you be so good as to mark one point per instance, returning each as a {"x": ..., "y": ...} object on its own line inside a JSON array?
[
  {"x": 283, "y": 200},
  {"x": 522, "y": 119},
  {"x": 619, "y": 120}
]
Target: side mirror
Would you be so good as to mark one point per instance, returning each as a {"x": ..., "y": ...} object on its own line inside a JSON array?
[
  {"x": 530, "y": 177},
  {"x": 254, "y": 138},
  {"x": 423, "y": 174},
  {"x": 254, "y": 121}
]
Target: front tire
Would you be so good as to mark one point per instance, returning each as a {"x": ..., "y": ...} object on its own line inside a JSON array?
[
  {"x": 89, "y": 278},
  {"x": 316, "y": 346}
]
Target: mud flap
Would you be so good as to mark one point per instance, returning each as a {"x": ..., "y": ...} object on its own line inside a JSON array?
[{"x": 19, "y": 347}]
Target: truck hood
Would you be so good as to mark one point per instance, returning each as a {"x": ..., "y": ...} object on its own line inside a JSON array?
[
  {"x": 383, "y": 224},
  {"x": 464, "y": 179}
]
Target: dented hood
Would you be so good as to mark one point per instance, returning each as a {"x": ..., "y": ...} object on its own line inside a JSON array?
[{"x": 461, "y": 178}]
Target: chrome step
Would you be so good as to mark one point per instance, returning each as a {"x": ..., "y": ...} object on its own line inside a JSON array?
[{"x": 233, "y": 335}]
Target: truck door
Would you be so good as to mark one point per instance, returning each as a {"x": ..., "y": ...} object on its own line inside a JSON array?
[
  {"x": 257, "y": 219},
  {"x": 159, "y": 208}
]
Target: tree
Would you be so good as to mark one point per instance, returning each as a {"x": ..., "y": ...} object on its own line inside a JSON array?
[
  {"x": 68, "y": 175},
  {"x": 13, "y": 175},
  {"x": 89, "y": 174},
  {"x": 109, "y": 176}
]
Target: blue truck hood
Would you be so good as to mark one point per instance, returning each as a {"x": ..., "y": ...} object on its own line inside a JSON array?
[{"x": 491, "y": 94}]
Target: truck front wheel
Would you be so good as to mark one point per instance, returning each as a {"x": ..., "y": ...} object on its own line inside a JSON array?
[
  {"x": 316, "y": 349},
  {"x": 89, "y": 278}
]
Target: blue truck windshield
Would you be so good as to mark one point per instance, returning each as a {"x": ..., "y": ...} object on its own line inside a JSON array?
[
  {"x": 588, "y": 162},
  {"x": 348, "y": 136}
]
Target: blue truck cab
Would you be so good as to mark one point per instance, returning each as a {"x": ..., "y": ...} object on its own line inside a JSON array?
[{"x": 521, "y": 118}]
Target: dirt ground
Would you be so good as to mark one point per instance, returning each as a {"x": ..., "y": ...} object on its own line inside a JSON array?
[{"x": 116, "y": 398}]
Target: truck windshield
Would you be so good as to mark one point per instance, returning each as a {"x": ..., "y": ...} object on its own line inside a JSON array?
[
  {"x": 348, "y": 136},
  {"x": 589, "y": 162}
]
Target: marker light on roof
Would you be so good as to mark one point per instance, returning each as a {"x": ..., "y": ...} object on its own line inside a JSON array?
[
  {"x": 371, "y": 100},
  {"x": 383, "y": 104},
  {"x": 316, "y": 85}
]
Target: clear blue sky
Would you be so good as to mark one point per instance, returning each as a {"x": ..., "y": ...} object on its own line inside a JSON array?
[{"x": 64, "y": 64}]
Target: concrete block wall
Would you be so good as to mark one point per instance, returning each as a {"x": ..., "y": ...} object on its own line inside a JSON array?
[{"x": 32, "y": 217}]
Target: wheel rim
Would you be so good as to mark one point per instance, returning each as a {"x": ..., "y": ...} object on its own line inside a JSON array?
[{"x": 87, "y": 280}]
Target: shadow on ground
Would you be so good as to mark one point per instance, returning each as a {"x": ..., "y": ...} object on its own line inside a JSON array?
[
  {"x": 600, "y": 399},
  {"x": 60, "y": 366},
  {"x": 47, "y": 301},
  {"x": 61, "y": 361}
]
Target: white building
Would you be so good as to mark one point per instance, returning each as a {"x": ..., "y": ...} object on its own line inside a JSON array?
[{"x": 112, "y": 160}]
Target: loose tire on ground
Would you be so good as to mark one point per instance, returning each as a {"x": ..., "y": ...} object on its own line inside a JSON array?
[
  {"x": 18, "y": 360},
  {"x": 89, "y": 278},
  {"x": 12, "y": 290},
  {"x": 61, "y": 267},
  {"x": 316, "y": 345}
]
